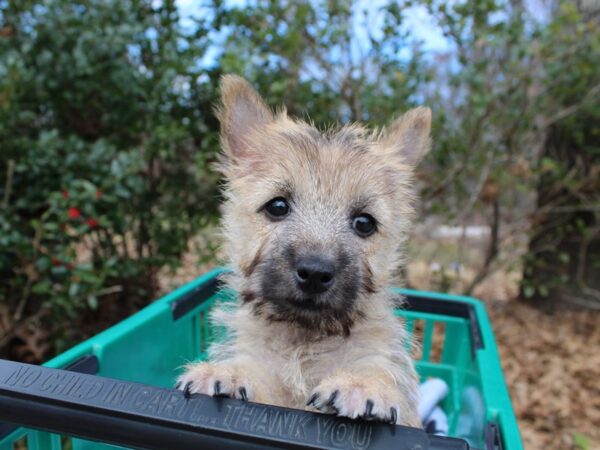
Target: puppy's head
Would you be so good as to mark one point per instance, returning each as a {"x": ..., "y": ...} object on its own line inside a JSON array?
[{"x": 314, "y": 222}]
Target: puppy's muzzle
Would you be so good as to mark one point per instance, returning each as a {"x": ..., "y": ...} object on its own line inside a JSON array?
[{"x": 314, "y": 275}]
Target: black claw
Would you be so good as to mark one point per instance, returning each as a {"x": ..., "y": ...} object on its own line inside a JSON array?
[
  {"x": 243, "y": 393},
  {"x": 394, "y": 415},
  {"x": 313, "y": 398},
  {"x": 178, "y": 385},
  {"x": 369, "y": 409},
  {"x": 332, "y": 398},
  {"x": 217, "y": 388},
  {"x": 187, "y": 389}
]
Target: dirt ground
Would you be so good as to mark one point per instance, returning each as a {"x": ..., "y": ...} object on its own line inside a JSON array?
[
  {"x": 551, "y": 362},
  {"x": 552, "y": 367}
]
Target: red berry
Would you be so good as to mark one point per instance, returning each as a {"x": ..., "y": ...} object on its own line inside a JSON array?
[
  {"x": 74, "y": 213},
  {"x": 92, "y": 223},
  {"x": 98, "y": 193},
  {"x": 65, "y": 194}
]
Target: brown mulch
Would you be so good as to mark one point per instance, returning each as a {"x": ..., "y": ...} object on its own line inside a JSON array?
[{"x": 551, "y": 364}]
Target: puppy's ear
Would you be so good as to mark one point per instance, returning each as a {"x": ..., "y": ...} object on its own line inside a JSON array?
[
  {"x": 408, "y": 136},
  {"x": 241, "y": 112}
]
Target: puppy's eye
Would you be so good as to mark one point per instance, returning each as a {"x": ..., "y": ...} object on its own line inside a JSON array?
[
  {"x": 364, "y": 225},
  {"x": 277, "y": 208}
]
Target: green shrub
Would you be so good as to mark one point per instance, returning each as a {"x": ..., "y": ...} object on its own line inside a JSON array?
[{"x": 105, "y": 137}]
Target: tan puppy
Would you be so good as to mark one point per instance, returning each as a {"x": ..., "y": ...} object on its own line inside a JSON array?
[{"x": 315, "y": 224}]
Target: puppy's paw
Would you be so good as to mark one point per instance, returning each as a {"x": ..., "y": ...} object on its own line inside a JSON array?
[
  {"x": 215, "y": 380},
  {"x": 354, "y": 397}
]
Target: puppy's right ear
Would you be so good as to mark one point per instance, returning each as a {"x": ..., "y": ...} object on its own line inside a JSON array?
[
  {"x": 242, "y": 112},
  {"x": 408, "y": 136}
]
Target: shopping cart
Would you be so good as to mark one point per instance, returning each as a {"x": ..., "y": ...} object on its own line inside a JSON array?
[{"x": 115, "y": 389}]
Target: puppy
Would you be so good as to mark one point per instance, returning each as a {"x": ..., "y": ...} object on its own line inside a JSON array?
[{"x": 314, "y": 228}]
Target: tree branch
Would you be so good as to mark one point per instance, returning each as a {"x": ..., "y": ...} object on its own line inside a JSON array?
[{"x": 493, "y": 248}]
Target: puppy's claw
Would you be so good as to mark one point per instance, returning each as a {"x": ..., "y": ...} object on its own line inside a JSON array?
[
  {"x": 178, "y": 385},
  {"x": 332, "y": 398},
  {"x": 313, "y": 398},
  {"x": 369, "y": 409},
  {"x": 217, "y": 388},
  {"x": 187, "y": 389},
  {"x": 243, "y": 393},
  {"x": 394, "y": 415}
]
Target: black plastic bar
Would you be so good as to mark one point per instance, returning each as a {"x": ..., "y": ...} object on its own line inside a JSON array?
[
  {"x": 195, "y": 297},
  {"x": 454, "y": 308},
  {"x": 140, "y": 416},
  {"x": 86, "y": 364},
  {"x": 493, "y": 440}
]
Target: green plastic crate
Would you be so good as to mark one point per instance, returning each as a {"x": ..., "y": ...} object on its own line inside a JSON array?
[{"x": 151, "y": 346}]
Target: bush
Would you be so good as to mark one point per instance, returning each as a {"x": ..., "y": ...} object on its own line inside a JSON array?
[{"x": 106, "y": 134}]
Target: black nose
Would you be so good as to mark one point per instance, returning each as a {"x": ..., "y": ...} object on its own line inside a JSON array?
[{"x": 314, "y": 275}]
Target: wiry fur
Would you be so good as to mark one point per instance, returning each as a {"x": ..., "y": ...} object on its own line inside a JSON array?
[{"x": 284, "y": 349}]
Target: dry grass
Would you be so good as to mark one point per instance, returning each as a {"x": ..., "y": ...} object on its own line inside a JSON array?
[{"x": 552, "y": 367}]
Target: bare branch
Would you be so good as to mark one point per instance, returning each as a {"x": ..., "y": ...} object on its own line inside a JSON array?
[
  {"x": 566, "y": 112},
  {"x": 493, "y": 248}
]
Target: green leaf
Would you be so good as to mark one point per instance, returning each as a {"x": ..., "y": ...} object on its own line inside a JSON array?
[
  {"x": 92, "y": 302},
  {"x": 581, "y": 442},
  {"x": 74, "y": 289},
  {"x": 42, "y": 287}
]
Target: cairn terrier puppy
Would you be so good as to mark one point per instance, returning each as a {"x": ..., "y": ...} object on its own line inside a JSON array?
[{"x": 314, "y": 226}]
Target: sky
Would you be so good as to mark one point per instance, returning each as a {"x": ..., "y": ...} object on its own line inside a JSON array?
[{"x": 417, "y": 18}]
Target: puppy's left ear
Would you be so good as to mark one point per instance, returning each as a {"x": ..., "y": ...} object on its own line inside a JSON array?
[{"x": 408, "y": 136}]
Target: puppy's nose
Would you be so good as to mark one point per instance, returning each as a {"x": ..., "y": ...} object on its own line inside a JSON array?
[{"x": 314, "y": 275}]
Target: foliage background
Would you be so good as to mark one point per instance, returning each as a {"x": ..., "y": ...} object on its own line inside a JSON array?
[{"x": 107, "y": 136}]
